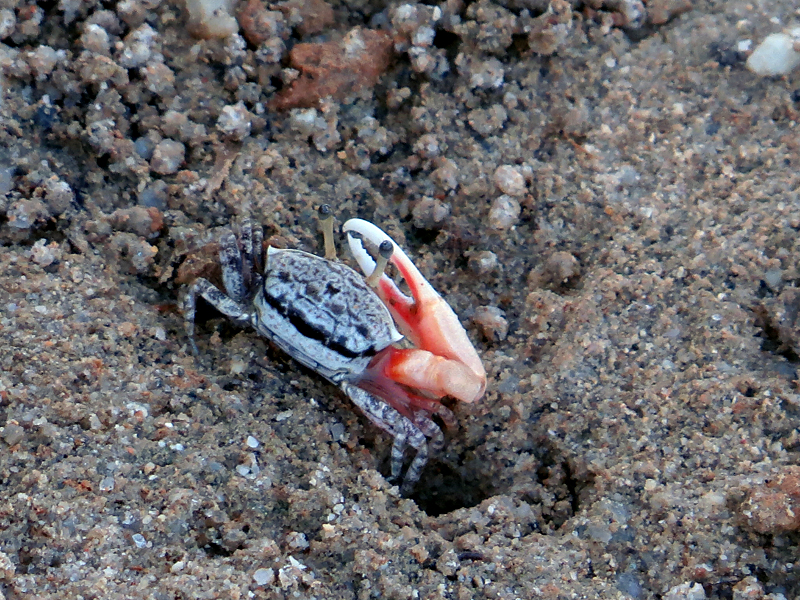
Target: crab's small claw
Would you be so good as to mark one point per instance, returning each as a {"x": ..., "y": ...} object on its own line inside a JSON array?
[{"x": 445, "y": 362}]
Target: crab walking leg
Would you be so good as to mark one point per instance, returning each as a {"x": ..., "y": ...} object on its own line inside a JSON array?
[
  {"x": 430, "y": 429},
  {"x": 402, "y": 429},
  {"x": 211, "y": 294},
  {"x": 425, "y": 318},
  {"x": 246, "y": 241},
  {"x": 258, "y": 252},
  {"x": 230, "y": 259},
  {"x": 252, "y": 249},
  {"x": 415, "y": 468}
]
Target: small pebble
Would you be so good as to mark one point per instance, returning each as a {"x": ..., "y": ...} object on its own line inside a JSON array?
[
  {"x": 144, "y": 147},
  {"x": 234, "y": 122},
  {"x": 263, "y": 576},
  {"x": 13, "y": 434},
  {"x": 252, "y": 442},
  {"x": 95, "y": 39},
  {"x": 686, "y": 591},
  {"x": 560, "y": 267},
  {"x": 483, "y": 262},
  {"x": 177, "y": 567},
  {"x": 487, "y": 74},
  {"x": 168, "y": 156},
  {"x": 44, "y": 254},
  {"x": 510, "y": 180},
  {"x": 159, "y": 79},
  {"x": 43, "y": 60},
  {"x": 138, "y": 48},
  {"x": 139, "y": 540},
  {"x": 749, "y": 588},
  {"x": 58, "y": 196},
  {"x": 504, "y": 213},
  {"x": 238, "y": 366},
  {"x": 774, "y": 56},
  {"x": 492, "y": 322},
  {"x": 427, "y": 146},
  {"x": 7, "y": 567},
  {"x": 154, "y": 195},
  {"x": 430, "y": 213},
  {"x": 8, "y": 22},
  {"x": 296, "y": 541},
  {"x": 211, "y": 18},
  {"x": 24, "y": 214},
  {"x": 445, "y": 174}
]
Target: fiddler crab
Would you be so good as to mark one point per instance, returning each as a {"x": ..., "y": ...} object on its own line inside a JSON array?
[{"x": 346, "y": 327}]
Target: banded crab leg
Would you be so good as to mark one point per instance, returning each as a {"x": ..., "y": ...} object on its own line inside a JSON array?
[
  {"x": 403, "y": 430},
  {"x": 242, "y": 263},
  {"x": 444, "y": 361}
]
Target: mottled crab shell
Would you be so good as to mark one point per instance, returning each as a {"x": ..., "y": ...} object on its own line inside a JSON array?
[{"x": 322, "y": 313}]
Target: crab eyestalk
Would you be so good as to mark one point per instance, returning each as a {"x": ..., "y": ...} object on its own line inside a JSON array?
[
  {"x": 326, "y": 224},
  {"x": 384, "y": 254}
]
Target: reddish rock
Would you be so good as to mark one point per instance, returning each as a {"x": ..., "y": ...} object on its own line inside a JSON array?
[
  {"x": 774, "y": 507},
  {"x": 336, "y": 68}
]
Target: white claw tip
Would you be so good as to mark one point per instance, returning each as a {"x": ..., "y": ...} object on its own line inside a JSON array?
[{"x": 371, "y": 232}]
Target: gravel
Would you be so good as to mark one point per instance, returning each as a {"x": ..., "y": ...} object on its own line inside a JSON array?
[{"x": 637, "y": 312}]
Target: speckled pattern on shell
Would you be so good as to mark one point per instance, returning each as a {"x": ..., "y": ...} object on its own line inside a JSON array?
[{"x": 336, "y": 320}]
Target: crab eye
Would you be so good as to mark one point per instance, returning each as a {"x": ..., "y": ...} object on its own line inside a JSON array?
[
  {"x": 384, "y": 254},
  {"x": 385, "y": 249},
  {"x": 326, "y": 223}
]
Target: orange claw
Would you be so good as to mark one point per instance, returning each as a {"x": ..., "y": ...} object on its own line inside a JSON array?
[{"x": 445, "y": 361}]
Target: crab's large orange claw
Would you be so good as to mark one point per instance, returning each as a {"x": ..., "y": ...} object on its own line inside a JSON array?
[{"x": 446, "y": 362}]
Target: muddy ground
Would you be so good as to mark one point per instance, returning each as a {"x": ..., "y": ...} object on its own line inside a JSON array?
[{"x": 608, "y": 199}]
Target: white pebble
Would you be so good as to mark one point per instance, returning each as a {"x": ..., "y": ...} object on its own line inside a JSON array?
[
  {"x": 774, "y": 56},
  {"x": 686, "y": 591},
  {"x": 504, "y": 212},
  {"x": 252, "y": 442},
  {"x": 45, "y": 254},
  {"x": 7, "y": 23},
  {"x": 427, "y": 146},
  {"x": 483, "y": 262},
  {"x": 297, "y": 541},
  {"x": 211, "y": 18},
  {"x": 492, "y": 321},
  {"x": 167, "y": 157},
  {"x": 138, "y": 47},
  {"x": 139, "y": 540},
  {"x": 263, "y": 576},
  {"x": 234, "y": 122},
  {"x": 95, "y": 39},
  {"x": 509, "y": 180}
]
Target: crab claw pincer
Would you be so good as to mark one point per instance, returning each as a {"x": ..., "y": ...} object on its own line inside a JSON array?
[{"x": 444, "y": 361}]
